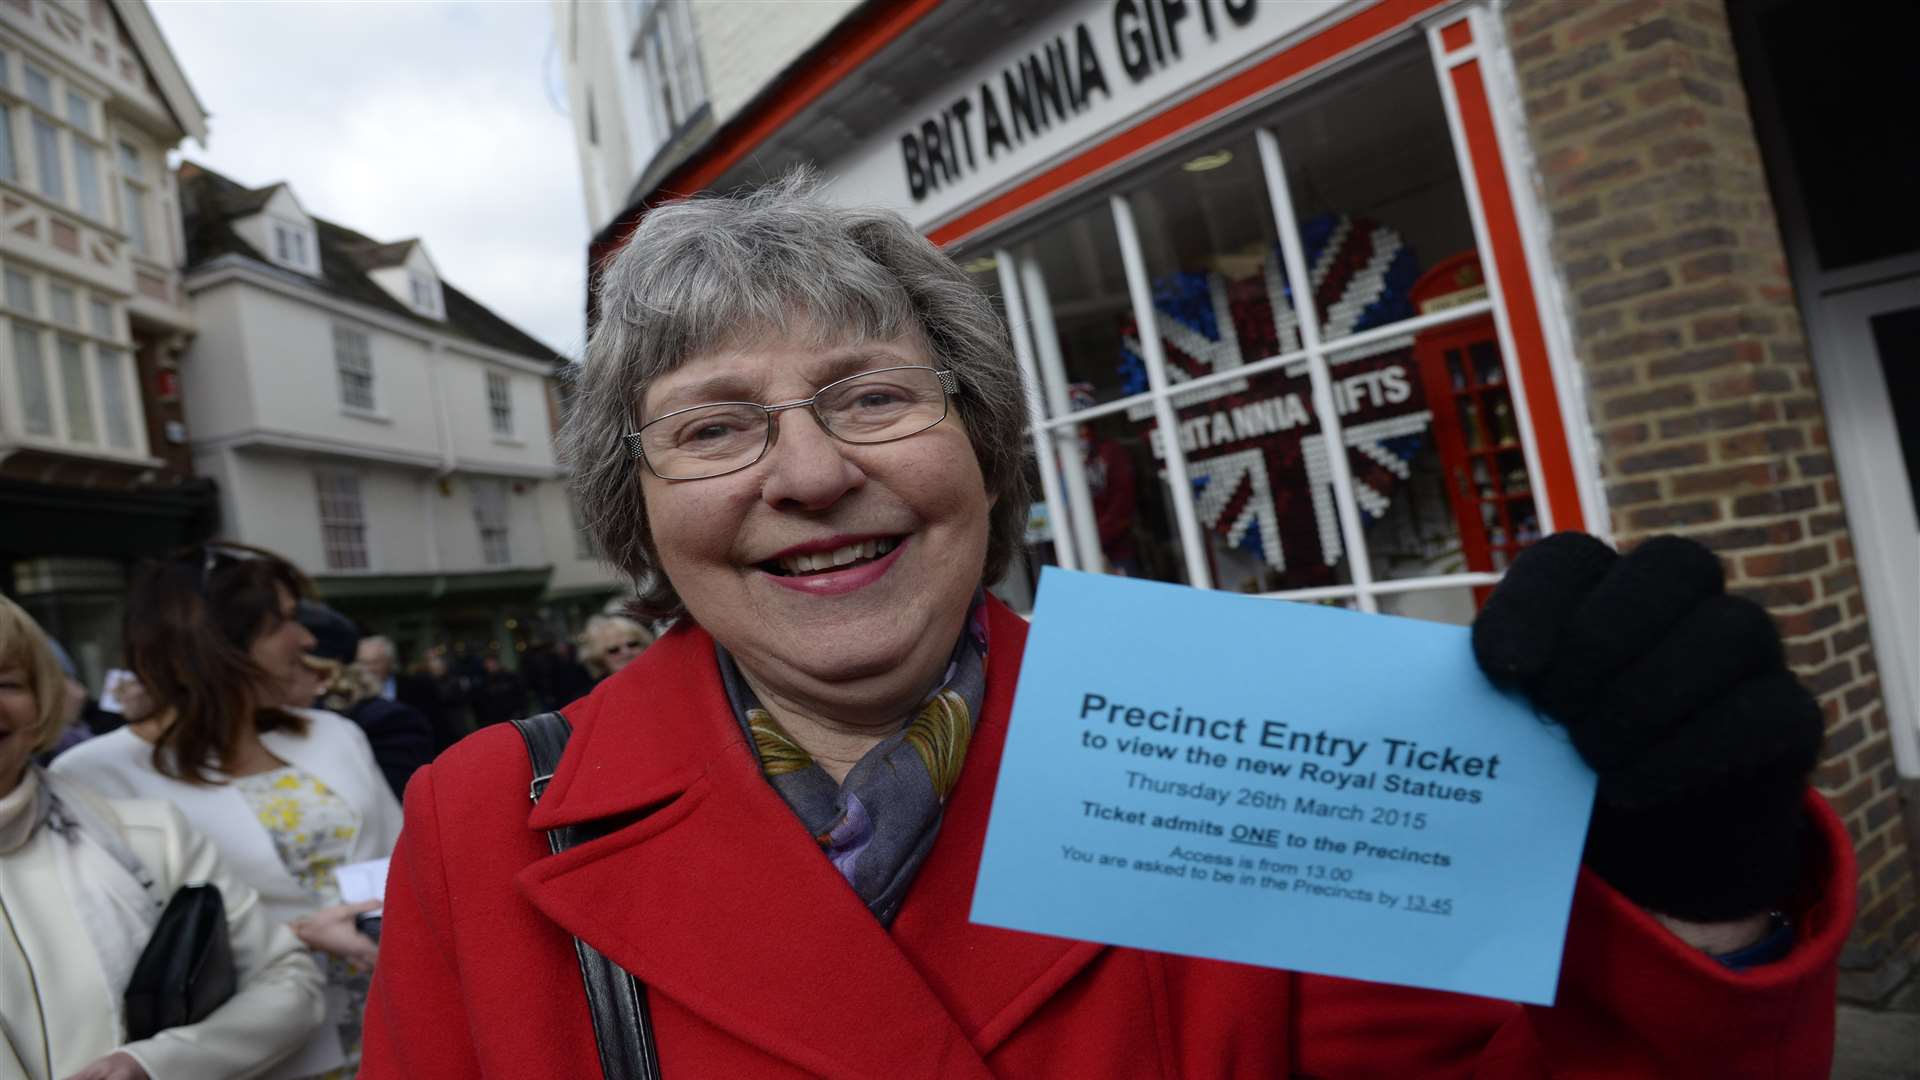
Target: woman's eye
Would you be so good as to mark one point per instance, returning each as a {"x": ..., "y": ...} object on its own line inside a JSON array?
[{"x": 711, "y": 431}]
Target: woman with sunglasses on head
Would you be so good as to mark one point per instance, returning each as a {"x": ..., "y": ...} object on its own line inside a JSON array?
[
  {"x": 613, "y": 641},
  {"x": 289, "y": 793},
  {"x": 800, "y": 430},
  {"x": 82, "y": 883}
]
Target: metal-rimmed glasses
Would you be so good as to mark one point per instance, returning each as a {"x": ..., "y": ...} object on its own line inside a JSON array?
[{"x": 721, "y": 437}]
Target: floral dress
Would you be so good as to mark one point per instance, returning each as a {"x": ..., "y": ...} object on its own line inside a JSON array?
[{"x": 313, "y": 830}]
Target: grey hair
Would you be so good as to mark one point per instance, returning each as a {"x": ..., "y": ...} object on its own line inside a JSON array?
[{"x": 706, "y": 274}]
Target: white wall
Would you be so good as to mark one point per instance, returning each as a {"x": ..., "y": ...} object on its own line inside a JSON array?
[
  {"x": 459, "y": 534},
  {"x": 743, "y": 46},
  {"x": 216, "y": 383},
  {"x": 463, "y": 385},
  {"x": 570, "y": 571}
]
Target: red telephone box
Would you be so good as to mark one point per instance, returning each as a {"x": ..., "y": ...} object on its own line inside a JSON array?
[{"x": 1476, "y": 429}]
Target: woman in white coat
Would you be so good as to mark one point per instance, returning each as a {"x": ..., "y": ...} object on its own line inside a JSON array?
[
  {"x": 74, "y": 917},
  {"x": 288, "y": 794}
]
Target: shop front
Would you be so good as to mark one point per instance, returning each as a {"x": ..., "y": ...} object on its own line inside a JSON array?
[
  {"x": 1265, "y": 265},
  {"x": 1349, "y": 302}
]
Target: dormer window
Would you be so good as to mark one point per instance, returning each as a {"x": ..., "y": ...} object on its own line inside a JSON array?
[
  {"x": 425, "y": 293},
  {"x": 294, "y": 246}
]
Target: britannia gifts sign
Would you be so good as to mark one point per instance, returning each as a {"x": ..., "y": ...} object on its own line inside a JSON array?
[{"x": 1255, "y": 451}]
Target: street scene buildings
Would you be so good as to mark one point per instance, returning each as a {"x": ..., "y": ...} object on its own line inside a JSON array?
[{"x": 1571, "y": 266}]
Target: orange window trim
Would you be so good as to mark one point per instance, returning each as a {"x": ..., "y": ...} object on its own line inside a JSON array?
[{"x": 1516, "y": 291}]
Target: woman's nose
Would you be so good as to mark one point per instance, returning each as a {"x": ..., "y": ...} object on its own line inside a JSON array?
[{"x": 807, "y": 468}]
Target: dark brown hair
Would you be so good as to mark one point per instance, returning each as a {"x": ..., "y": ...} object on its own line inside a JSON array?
[{"x": 190, "y": 620}]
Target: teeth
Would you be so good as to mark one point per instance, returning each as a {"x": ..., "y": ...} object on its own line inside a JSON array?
[{"x": 840, "y": 556}]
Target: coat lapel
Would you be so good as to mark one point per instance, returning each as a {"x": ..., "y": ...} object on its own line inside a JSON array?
[
  {"x": 716, "y": 897},
  {"x": 991, "y": 980}
]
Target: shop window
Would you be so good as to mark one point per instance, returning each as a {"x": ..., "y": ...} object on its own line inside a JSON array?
[
  {"x": 1340, "y": 399},
  {"x": 1375, "y": 188}
]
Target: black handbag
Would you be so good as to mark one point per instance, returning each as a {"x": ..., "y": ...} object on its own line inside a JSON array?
[
  {"x": 622, "y": 1023},
  {"x": 186, "y": 970}
]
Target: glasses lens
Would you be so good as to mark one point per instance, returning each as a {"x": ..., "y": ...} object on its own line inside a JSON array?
[
  {"x": 879, "y": 406},
  {"x": 705, "y": 441}
]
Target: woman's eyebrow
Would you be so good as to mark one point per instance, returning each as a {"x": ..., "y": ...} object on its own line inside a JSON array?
[{"x": 827, "y": 367}]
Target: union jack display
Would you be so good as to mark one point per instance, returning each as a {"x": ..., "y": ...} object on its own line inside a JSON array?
[{"x": 1258, "y": 462}]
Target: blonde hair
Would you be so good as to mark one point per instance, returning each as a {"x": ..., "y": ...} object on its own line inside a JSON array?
[
  {"x": 594, "y": 653},
  {"x": 24, "y": 645}
]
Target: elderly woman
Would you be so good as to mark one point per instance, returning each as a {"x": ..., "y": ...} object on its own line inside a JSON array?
[
  {"x": 78, "y": 916},
  {"x": 613, "y": 641},
  {"x": 801, "y": 431}
]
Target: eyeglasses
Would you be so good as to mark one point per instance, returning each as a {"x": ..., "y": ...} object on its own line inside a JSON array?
[{"x": 721, "y": 437}]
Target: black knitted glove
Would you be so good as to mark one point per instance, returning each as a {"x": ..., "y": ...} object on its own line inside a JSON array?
[{"x": 1679, "y": 697}]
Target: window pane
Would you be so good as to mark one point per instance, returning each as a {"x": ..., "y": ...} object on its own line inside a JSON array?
[
  {"x": 66, "y": 309},
  {"x": 39, "y": 88},
  {"x": 342, "y": 520},
  {"x": 354, "y": 362},
  {"x": 1132, "y": 507},
  {"x": 1455, "y": 606},
  {"x": 500, "y": 403},
  {"x": 1085, "y": 288},
  {"x": 1371, "y": 168},
  {"x": 1206, "y": 231},
  {"x": 113, "y": 398},
  {"x": 20, "y": 292},
  {"x": 36, "y": 397},
  {"x": 80, "y": 112},
  {"x": 46, "y": 154},
  {"x": 79, "y": 399},
  {"x": 86, "y": 180},
  {"x": 1433, "y": 441},
  {"x": 9, "y": 169},
  {"x": 1261, "y": 487},
  {"x": 133, "y": 210},
  {"x": 130, "y": 162},
  {"x": 100, "y": 316}
]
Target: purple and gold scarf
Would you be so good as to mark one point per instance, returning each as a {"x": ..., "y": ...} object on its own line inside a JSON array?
[{"x": 878, "y": 825}]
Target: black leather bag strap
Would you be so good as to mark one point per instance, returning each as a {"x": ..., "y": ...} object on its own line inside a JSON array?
[{"x": 622, "y": 1024}]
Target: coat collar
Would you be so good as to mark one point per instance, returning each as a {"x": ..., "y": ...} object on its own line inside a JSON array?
[{"x": 718, "y": 899}]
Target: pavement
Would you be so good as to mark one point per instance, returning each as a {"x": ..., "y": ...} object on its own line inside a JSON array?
[{"x": 1880, "y": 1043}]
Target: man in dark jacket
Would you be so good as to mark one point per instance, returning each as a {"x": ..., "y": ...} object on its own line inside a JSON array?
[{"x": 401, "y": 736}]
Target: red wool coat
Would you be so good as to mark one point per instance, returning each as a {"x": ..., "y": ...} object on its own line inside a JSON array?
[{"x": 761, "y": 962}]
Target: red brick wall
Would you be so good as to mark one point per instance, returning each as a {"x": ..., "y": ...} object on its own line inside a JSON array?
[{"x": 1698, "y": 378}]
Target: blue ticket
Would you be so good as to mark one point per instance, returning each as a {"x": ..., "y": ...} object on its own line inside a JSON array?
[{"x": 1281, "y": 784}]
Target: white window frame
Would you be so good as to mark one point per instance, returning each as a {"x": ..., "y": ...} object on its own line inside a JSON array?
[
  {"x": 353, "y": 370},
  {"x": 424, "y": 289},
  {"x": 293, "y": 244},
  {"x": 54, "y": 144},
  {"x": 500, "y": 403},
  {"x": 492, "y": 519},
  {"x": 668, "y": 53},
  {"x": 129, "y": 160},
  {"x": 342, "y": 509},
  {"x": 86, "y": 340},
  {"x": 1055, "y": 425}
]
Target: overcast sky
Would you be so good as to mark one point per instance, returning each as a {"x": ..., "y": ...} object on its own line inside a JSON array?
[{"x": 434, "y": 120}]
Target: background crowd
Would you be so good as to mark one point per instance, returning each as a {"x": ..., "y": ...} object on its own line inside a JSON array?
[{"x": 262, "y": 745}]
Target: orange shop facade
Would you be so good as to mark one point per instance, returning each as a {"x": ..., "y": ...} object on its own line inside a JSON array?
[{"x": 1323, "y": 301}]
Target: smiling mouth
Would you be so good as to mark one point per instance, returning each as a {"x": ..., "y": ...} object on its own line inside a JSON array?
[{"x": 840, "y": 558}]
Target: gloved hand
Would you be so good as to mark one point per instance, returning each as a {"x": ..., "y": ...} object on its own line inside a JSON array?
[{"x": 1679, "y": 697}]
